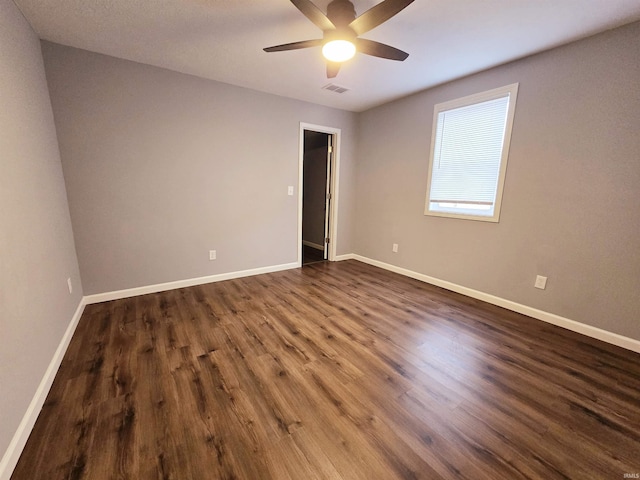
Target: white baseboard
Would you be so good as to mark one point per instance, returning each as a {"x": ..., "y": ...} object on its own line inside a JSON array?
[
  {"x": 588, "y": 330},
  {"x": 317, "y": 246},
  {"x": 163, "y": 287},
  {"x": 19, "y": 440},
  {"x": 346, "y": 256}
]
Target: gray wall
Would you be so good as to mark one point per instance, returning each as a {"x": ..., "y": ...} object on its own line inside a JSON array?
[
  {"x": 161, "y": 167},
  {"x": 36, "y": 240},
  {"x": 571, "y": 204}
]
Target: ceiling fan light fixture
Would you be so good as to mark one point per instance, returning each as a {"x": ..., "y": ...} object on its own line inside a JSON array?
[
  {"x": 338, "y": 50},
  {"x": 342, "y": 30}
]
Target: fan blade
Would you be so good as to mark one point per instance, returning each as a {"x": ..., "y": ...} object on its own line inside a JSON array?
[
  {"x": 332, "y": 69},
  {"x": 377, "y": 49},
  {"x": 378, "y": 15},
  {"x": 294, "y": 46},
  {"x": 314, "y": 14}
]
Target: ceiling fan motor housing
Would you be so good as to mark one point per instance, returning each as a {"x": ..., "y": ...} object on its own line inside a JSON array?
[
  {"x": 344, "y": 33},
  {"x": 341, "y": 13}
]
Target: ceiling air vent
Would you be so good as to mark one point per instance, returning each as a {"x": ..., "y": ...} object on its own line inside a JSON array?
[{"x": 335, "y": 88}]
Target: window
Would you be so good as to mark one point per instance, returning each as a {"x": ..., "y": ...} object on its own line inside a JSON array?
[{"x": 469, "y": 149}]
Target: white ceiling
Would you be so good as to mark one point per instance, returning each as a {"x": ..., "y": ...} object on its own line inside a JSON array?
[{"x": 223, "y": 39}]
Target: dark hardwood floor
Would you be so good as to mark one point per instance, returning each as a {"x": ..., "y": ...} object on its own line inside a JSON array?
[
  {"x": 332, "y": 371},
  {"x": 311, "y": 255}
]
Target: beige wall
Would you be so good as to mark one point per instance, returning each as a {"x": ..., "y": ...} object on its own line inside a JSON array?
[
  {"x": 571, "y": 205},
  {"x": 36, "y": 242},
  {"x": 161, "y": 167}
]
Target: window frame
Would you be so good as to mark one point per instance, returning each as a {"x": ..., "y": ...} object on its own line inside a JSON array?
[{"x": 510, "y": 90}]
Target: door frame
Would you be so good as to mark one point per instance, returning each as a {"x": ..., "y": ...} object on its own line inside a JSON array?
[{"x": 335, "y": 172}]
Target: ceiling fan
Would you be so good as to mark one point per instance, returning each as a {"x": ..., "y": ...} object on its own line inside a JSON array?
[{"x": 342, "y": 28}]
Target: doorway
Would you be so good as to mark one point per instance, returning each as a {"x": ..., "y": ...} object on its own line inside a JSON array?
[{"x": 318, "y": 168}]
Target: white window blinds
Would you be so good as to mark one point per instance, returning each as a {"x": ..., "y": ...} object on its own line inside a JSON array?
[{"x": 467, "y": 156}]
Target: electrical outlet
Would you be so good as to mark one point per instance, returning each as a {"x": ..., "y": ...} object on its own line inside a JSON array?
[
  {"x": 212, "y": 254},
  {"x": 70, "y": 285},
  {"x": 541, "y": 282},
  {"x": 395, "y": 248}
]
